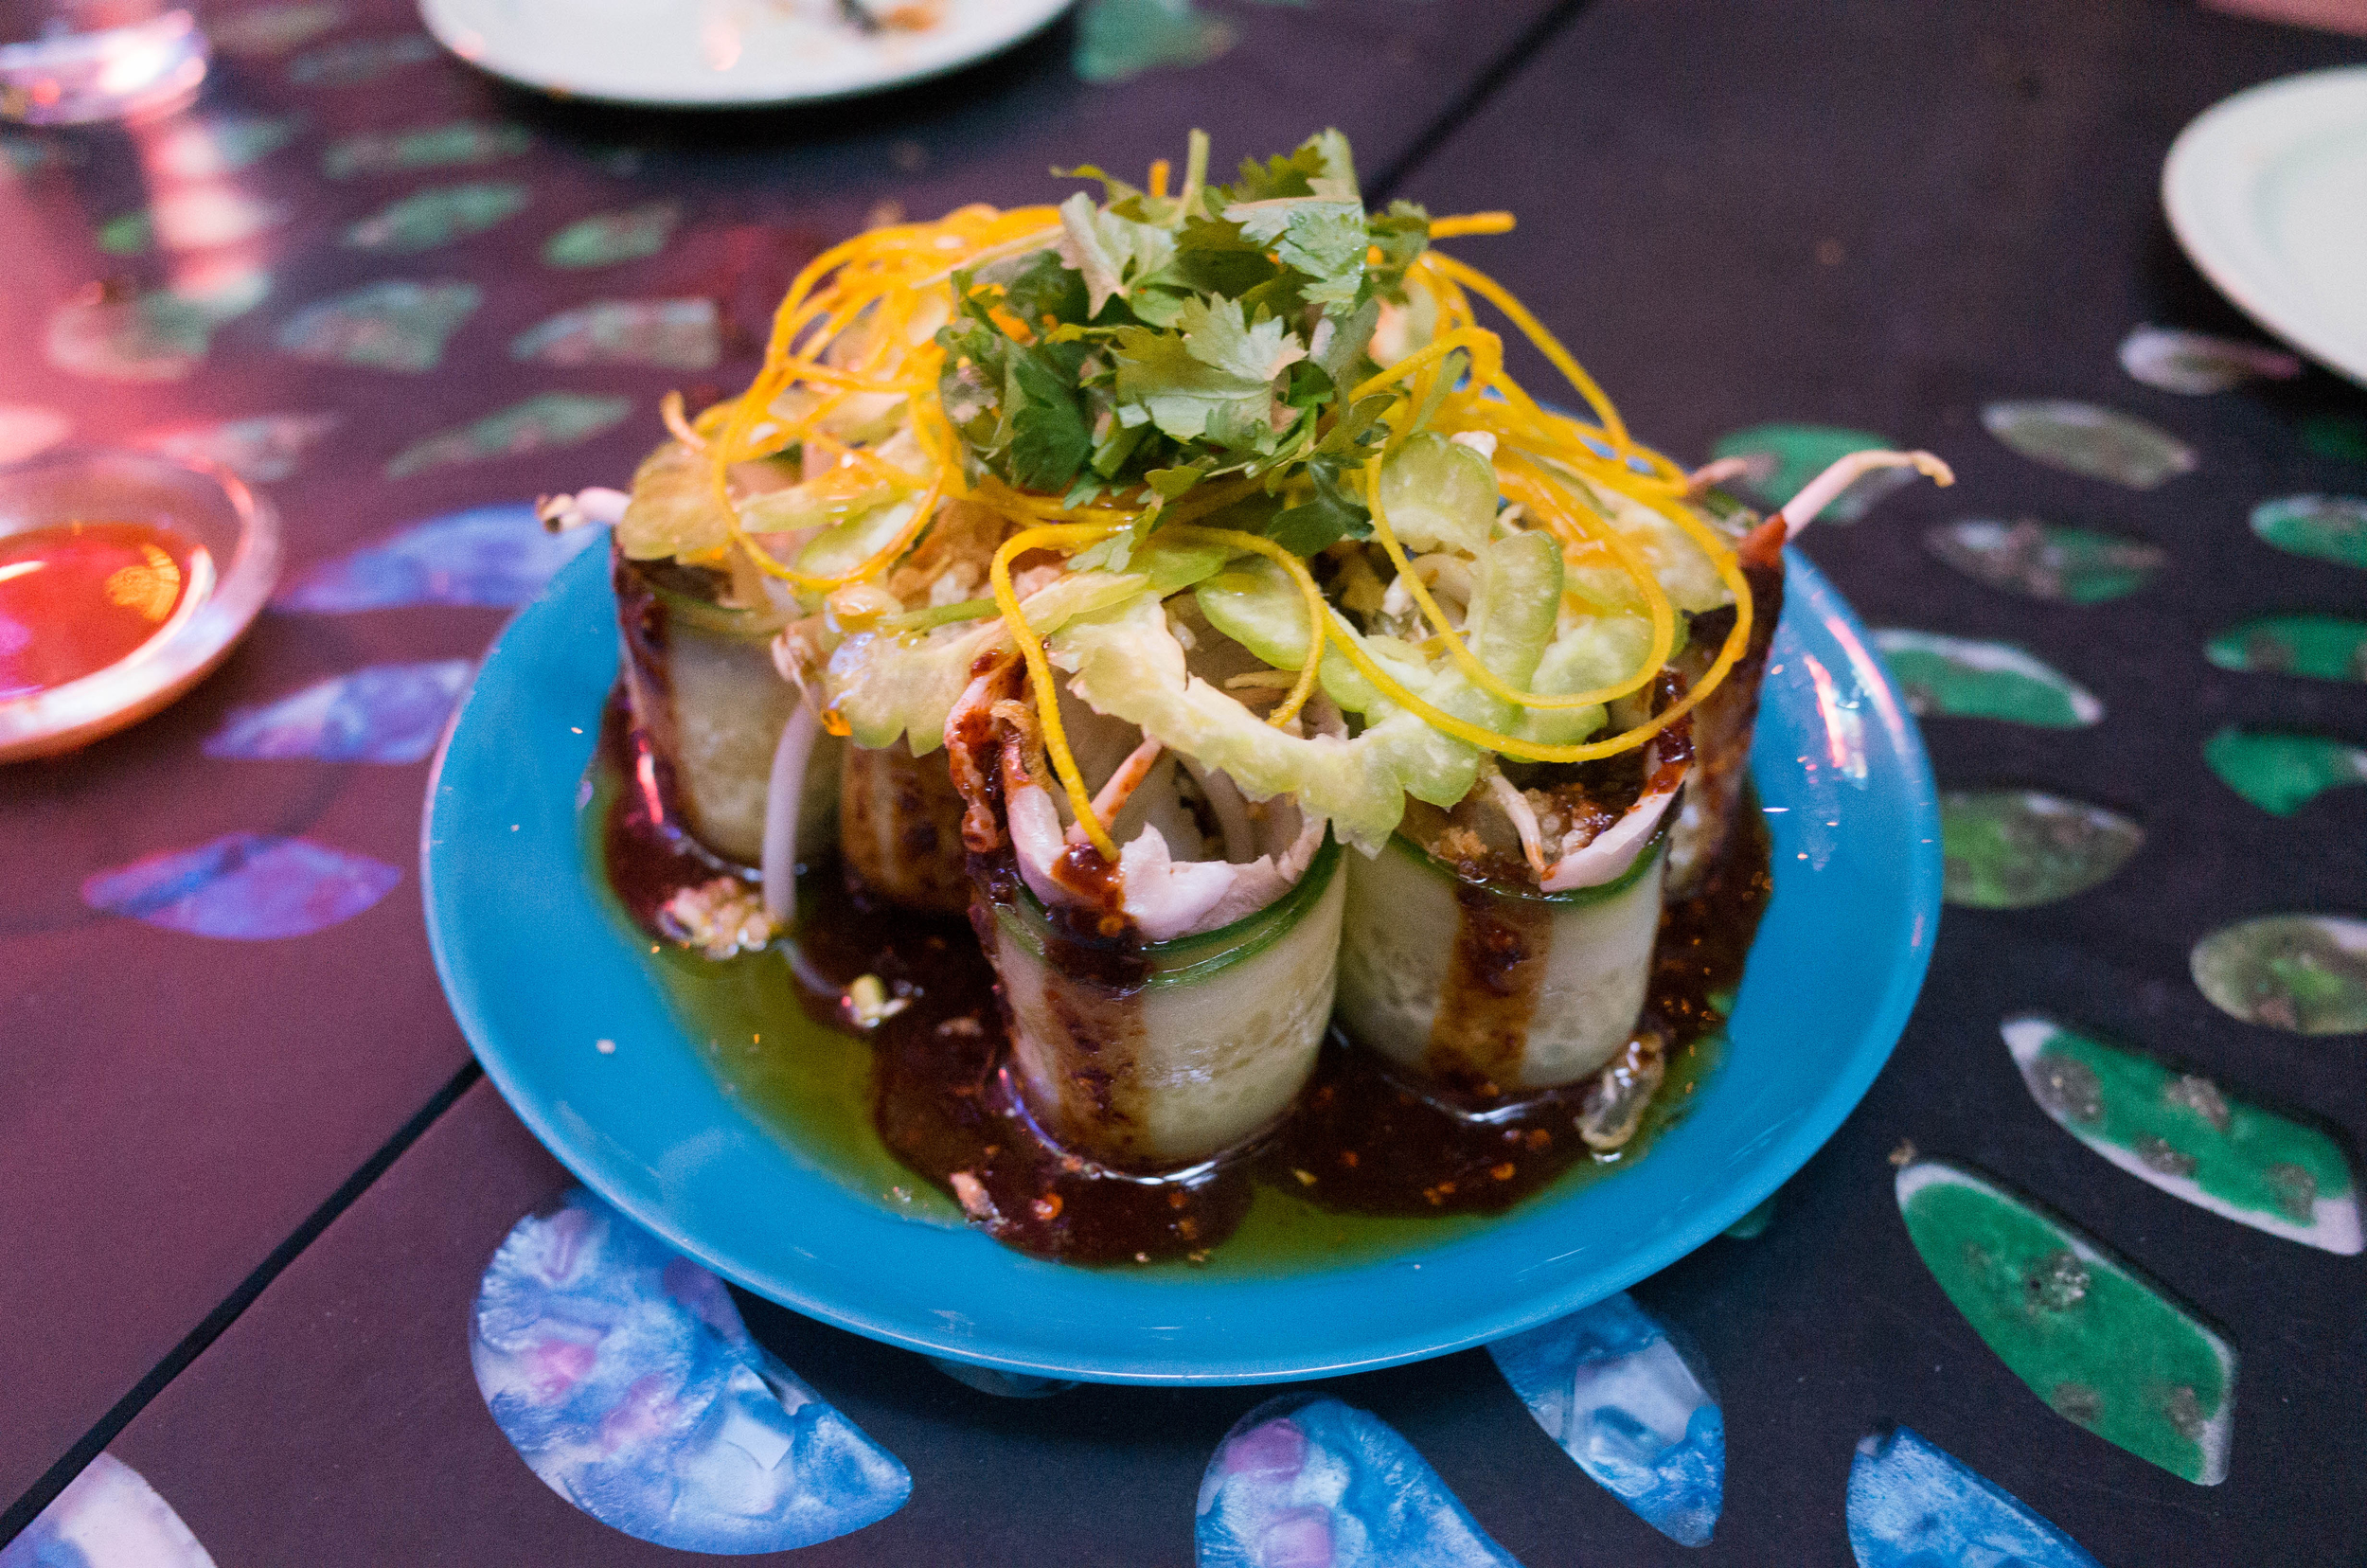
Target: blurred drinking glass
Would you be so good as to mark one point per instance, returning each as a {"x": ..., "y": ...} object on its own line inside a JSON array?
[{"x": 72, "y": 61}]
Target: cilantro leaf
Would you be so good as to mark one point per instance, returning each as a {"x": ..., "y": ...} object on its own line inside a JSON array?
[
  {"x": 1215, "y": 334},
  {"x": 1332, "y": 514},
  {"x": 1184, "y": 396},
  {"x": 1112, "y": 253}
]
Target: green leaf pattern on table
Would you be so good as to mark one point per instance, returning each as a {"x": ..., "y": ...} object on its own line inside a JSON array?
[
  {"x": 2102, "y": 1346},
  {"x": 1961, "y": 678},
  {"x": 1782, "y": 459},
  {"x": 260, "y": 450},
  {"x": 23, "y": 158},
  {"x": 196, "y": 219},
  {"x": 2188, "y": 1137},
  {"x": 1120, "y": 39},
  {"x": 2324, "y": 527},
  {"x": 161, "y": 334},
  {"x": 358, "y": 60},
  {"x": 2325, "y": 648},
  {"x": 2017, "y": 849},
  {"x": 437, "y": 216},
  {"x": 2305, "y": 974},
  {"x": 2280, "y": 773},
  {"x": 606, "y": 239},
  {"x": 27, "y": 431},
  {"x": 435, "y": 147},
  {"x": 671, "y": 334},
  {"x": 220, "y": 144},
  {"x": 2096, "y": 443},
  {"x": 2194, "y": 365},
  {"x": 397, "y": 324},
  {"x": 2042, "y": 561},
  {"x": 542, "y": 422},
  {"x": 274, "y": 29}
]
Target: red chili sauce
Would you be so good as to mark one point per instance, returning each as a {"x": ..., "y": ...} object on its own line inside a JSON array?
[{"x": 75, "y": 598}]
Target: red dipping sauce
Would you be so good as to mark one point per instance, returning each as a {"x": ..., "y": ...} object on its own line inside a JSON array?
[{"x": 75, "y": 598}]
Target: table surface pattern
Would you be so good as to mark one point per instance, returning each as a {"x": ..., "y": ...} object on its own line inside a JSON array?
[{"x": 248, "y": 1188}]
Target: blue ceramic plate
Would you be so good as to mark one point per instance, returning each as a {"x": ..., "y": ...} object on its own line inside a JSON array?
[{"x": 539, "y": 969}]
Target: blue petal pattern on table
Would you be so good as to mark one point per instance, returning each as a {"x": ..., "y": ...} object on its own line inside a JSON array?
[
  {"x": 2186, "y": 1136},
  {"x": 396, "y": 324},
  {"x": 275, "y": 29},
  {"x": 2041, "y": 562},
  {"x": 1782, "y": 459},
  {"x": 386, "y": 713},
  {"x": 25, "y": 431},
  {"x": 2307, "y": 973},
  {"x": 1007, "y": 1385},
  {"x": 432, "y": 146},
  {"x": 2096, "y": 443},
  {"x": 1118, "y": 39},
  {"x": 258, "y": 450},
  {"x": 160, "y": 335},
  {"x": 1616, "y": 1390},
  {"x": 2195, "y": 366},
  {"x": 220, "y": 144},
  {"x": 623, "y": 1375},
  {"x": 437, "y": 216},
  {"x": 1913, "y": 1506},
  {"x": 494, "y": 556},
  {"x": 107, "y": 1517},
  {"x": 243, "y": 887},
  {"x": 607, "y": 238},
  {"x": 671, "y": 334},
  {"x": 2324, "y": 527},
  {"x": 543, "y": 422},
  {"x": 359, "y": 59},
  {"x": 1961, "y": 678},
  {"x": 1305, "y": 1482}
]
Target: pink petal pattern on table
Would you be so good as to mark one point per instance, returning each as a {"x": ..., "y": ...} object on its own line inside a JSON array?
[
  {"x": 261, "y": 449},
  {"x": 397, "y": 324},
  {"x": 671, "y": 334},
  {"x": 27, "y": 432},
  {"x": 383, "y": 713},
  {"x": 107, "y": 1517},
  {"x": 2194, "y": 365},
  {"x": 1305, "y": 1482},
  {"x": 540, "y": 424},
  {"x": 489, "y": 556},
  {"x": 622, "y": 1374},
  {"x": 110, "y": 332},
  {"x": 243, "y": 887}
]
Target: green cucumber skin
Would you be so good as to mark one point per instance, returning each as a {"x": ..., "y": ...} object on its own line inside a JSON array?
[
  {"x": 1165, "y": 1076},
  {"x": 1592, "y": 951}
]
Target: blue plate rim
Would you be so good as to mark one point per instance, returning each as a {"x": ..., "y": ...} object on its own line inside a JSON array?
[{"x": 1790, "y": 1150}]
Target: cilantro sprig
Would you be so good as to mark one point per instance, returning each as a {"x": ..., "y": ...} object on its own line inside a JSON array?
[{"x": 1164, "y": 341}]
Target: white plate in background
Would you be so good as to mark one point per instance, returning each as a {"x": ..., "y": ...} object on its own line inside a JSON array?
[
  {"x": 2267, "y": 193},
  {"x": 726, "y": 53}
]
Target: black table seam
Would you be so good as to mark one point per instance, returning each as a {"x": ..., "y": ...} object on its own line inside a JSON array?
[
  {"x": 27, "y": 1508},
  {"x": 1485, "y": 85}
]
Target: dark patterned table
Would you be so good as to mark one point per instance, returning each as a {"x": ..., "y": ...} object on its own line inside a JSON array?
[{"x": 248, "y": 1187}]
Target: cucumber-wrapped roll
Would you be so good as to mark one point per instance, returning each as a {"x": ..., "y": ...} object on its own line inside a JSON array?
[
  {"x": 710, "y": 706},
  {"x": 1167, "y": 1006},
  {"x": 899, "y": 830}
]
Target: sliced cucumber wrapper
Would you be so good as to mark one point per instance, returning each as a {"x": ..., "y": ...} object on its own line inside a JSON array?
[
  {"x": 704, "y": 690},
  {"x": 1472, "y": 983},
  {"x": 1163, "y": 1056}
]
